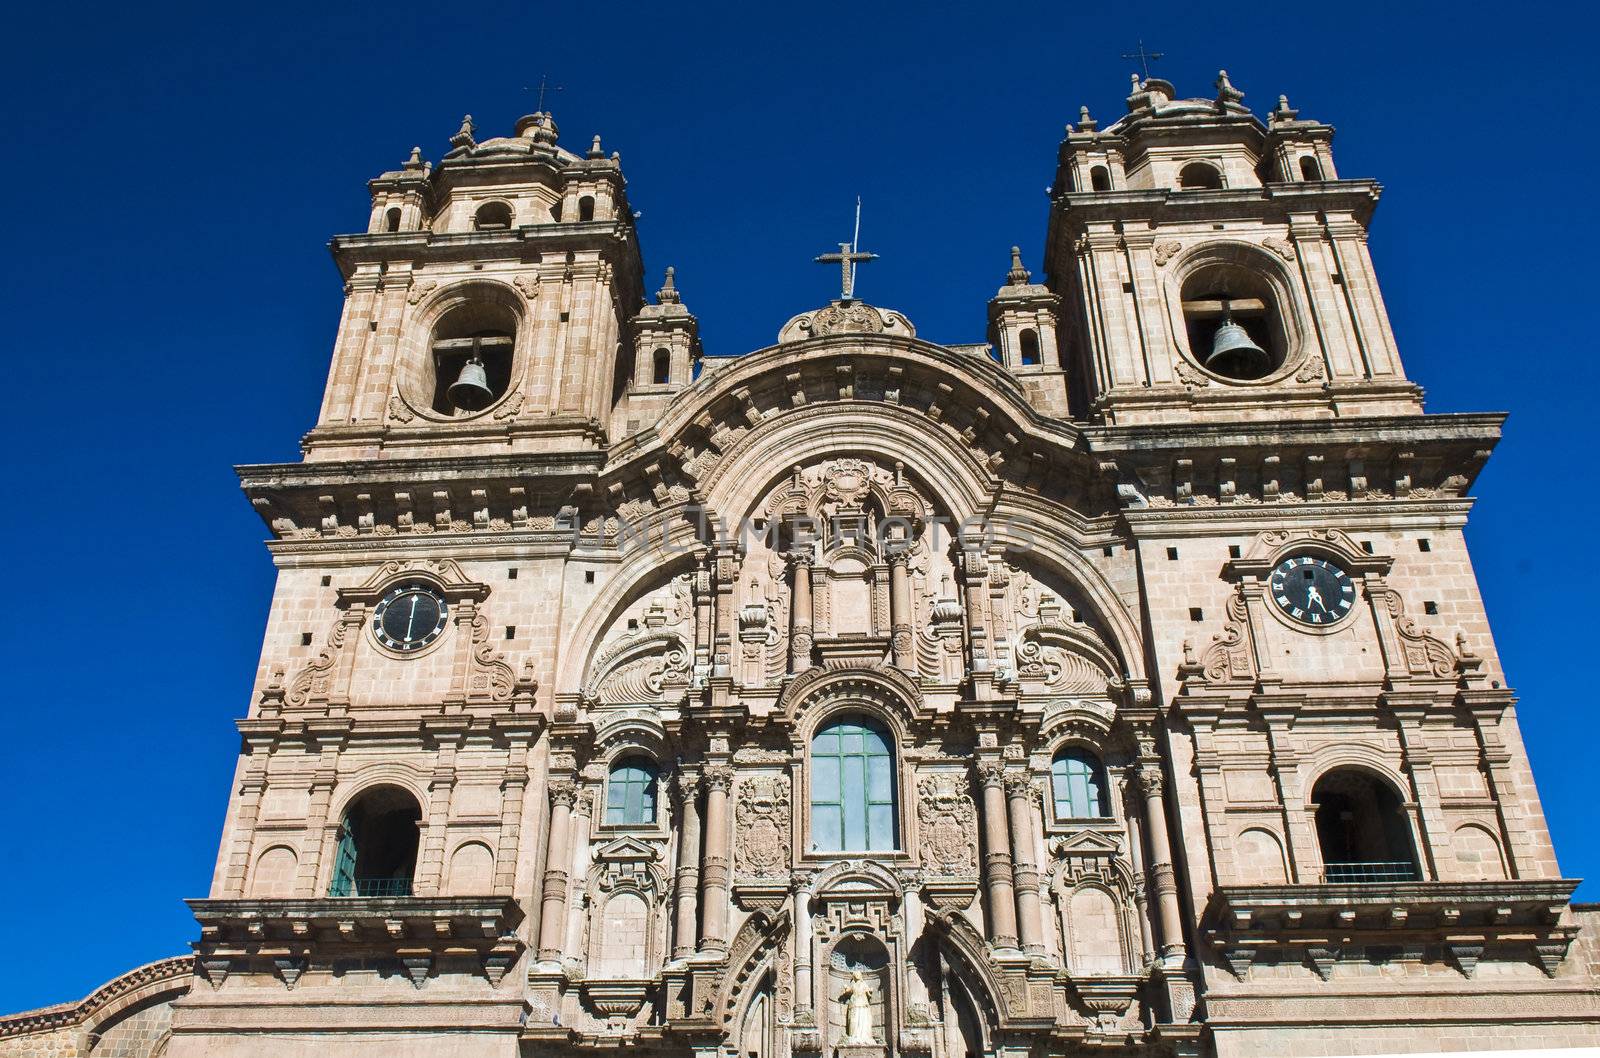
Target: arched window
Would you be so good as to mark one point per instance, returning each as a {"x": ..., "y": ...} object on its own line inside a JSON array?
[
  {"x": 391, "y": 219},
  {"x": 586, "y": 207},
  {"x": 1362, "y": 829},
  {"x": 492, "y": 216},
  {"x": 631, "y": 792},
  {"x": 1078, "y": 784},
  {"x": 663, "y": 367},
  {"x": 1100, "y": 176},
  {"x": 377, "y": 853},
  {"x": 472, "y": 347},
  {"x": 1030, "y": 347},
  {"x": 1232, "y": 317},
  {"x": 852, "y": 787},
  {"x": 1310, "y": 169},
  {"x": 1199, "y": 176}
]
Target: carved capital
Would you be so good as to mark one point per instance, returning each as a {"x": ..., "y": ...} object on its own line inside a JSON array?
[
  {"x": 718, "y": 778},
  {"x": 563, "y": 792}
]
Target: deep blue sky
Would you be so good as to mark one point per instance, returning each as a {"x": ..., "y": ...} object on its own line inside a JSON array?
[{"x": 173, "y": 175}]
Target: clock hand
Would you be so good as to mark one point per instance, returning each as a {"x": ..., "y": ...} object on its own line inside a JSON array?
[{"x": 412, "y": 618}]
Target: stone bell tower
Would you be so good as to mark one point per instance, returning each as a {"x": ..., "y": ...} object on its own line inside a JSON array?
[
  {"x": 1212, "y": 266},
  {"x": 487, "y": 304}
]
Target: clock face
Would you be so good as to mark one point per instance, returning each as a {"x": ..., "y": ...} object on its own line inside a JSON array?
[
  {"x": 409, "y": 617},
  {"x": 1312, "y": 591}
]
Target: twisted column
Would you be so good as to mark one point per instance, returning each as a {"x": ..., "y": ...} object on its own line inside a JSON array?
[{"x": 553, "y": 908}]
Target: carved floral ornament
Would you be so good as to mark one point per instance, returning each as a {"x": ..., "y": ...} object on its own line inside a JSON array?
[{"x": 948, "y": 822}]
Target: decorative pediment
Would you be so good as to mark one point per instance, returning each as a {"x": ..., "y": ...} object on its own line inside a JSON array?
[
  {"x": 845, "y": 317},
  {"x": 628, "y": 863},
  {"x": 1059, "y": 658},
  {"x": 445, "y": 573},
  {"x": 882, "y": 684},
  {"x": 1086, "y": 843},
  {"x": 650, "y": 667}
]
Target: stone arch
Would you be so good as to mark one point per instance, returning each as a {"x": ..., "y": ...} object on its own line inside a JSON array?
[
  {"x": 968, "y": 955},
  {"x": 641, "y": 572},
  {"x": 950, "y": 476},
  {"x": 1259, "y": 857},
  {"x": 274, "y": 872},
  {"x": 1479, "y": 855},
  {"x": 471, "y": 869},
  {"x": 1049, "y": 546},
  {"x": 884, "y": 693},
  {"x": 379, "y": 773},
  {"x": 414, "y": 380},
  {"x": 1247, "y": 261},
  {"x": 750, "y": 956},
  {"x": 1097, "y": 934}
]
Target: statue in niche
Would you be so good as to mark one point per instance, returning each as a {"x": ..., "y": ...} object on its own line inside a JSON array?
[{"x": 857, "y": 1013}]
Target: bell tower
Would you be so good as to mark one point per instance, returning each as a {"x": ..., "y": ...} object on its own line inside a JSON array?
[
  {"x": 486, "y": 304},
  {"x": 1212, "y": 266}
]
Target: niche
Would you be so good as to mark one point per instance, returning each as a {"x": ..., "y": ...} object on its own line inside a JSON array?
[{"x": 471, "y": 355}]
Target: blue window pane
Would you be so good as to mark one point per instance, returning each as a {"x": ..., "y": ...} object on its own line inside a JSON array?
[
  {"x": 855, "y": 826},
  {"x": 826, "y": 827},
  {"x": 880, "y": 784},
  {"x": 1078, "y": 784},
  {"x": 825, "y": 780},
  {"x": 631, "y": 793},
  {"x": 852, "y": 788},
  {"x": 880, "y": 828}
]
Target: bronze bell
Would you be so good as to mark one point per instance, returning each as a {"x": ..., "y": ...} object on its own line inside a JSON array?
[
  {"x": 470, "y": 391},
  {"x": 1234, "y": 354}
]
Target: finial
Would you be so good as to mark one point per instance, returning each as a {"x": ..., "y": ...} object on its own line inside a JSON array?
[
  {"x": 1227, "y": 94},
  {"x": 415, "y": 161},
  {"x": 668, "y": 294},
  {"x": 1284, "y": 111},
  {"x": 1135, "y": 78},
  {"x": 1085, "y": 122},
  {"x": 463, "y": 138},
  {"x": 1018, "y": 276},
  {"x": 594, "y": 148}
]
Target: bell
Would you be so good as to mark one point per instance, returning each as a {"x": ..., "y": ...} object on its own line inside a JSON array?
[
  {"x": 1234, "y": 354},
  {"x": 470, "y": 391}
]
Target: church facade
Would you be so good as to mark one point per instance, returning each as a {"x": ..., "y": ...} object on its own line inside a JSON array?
[{"x": 1117, "y": 686}]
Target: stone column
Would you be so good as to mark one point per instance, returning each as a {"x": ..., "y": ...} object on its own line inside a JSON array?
[
  {"x": 975, "y": 576},
  {"x": 804, "y": 986},
  {"x": 1030, "y": 916},
  {"x": 252, "y": 788},
  {"x": 553, "y": 908},
  {"x": 513, "y": 787},
  {"x": 996, "y": 858},
  {"x": 714, "y": 868},
  {"x": 1163, "y": 879},
  {"x": 800, "y": 610},
  {"x": 688, "y": 874},
  {"x": 900, "y": 616}
]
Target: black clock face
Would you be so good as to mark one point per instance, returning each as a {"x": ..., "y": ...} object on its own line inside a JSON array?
[
  {"x": 409, "y": 617},
  {"x": 1312, "y": 591}
]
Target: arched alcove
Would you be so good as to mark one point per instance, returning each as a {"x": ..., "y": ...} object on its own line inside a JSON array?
[
  {"x": 377, "y": 851},
  {"x": 1362, "y": 829},
  {"x": 1200, "y": 176}
]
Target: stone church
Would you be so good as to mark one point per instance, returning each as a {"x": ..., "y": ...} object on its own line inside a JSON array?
[{"x": 1118, "y": 685}]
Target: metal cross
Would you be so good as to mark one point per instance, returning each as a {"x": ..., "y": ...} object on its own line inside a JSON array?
[
  {"x": 847, "y": 258},
  {"x": 1145, "y": 58},
  {"x": 545, "y": 86}
]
